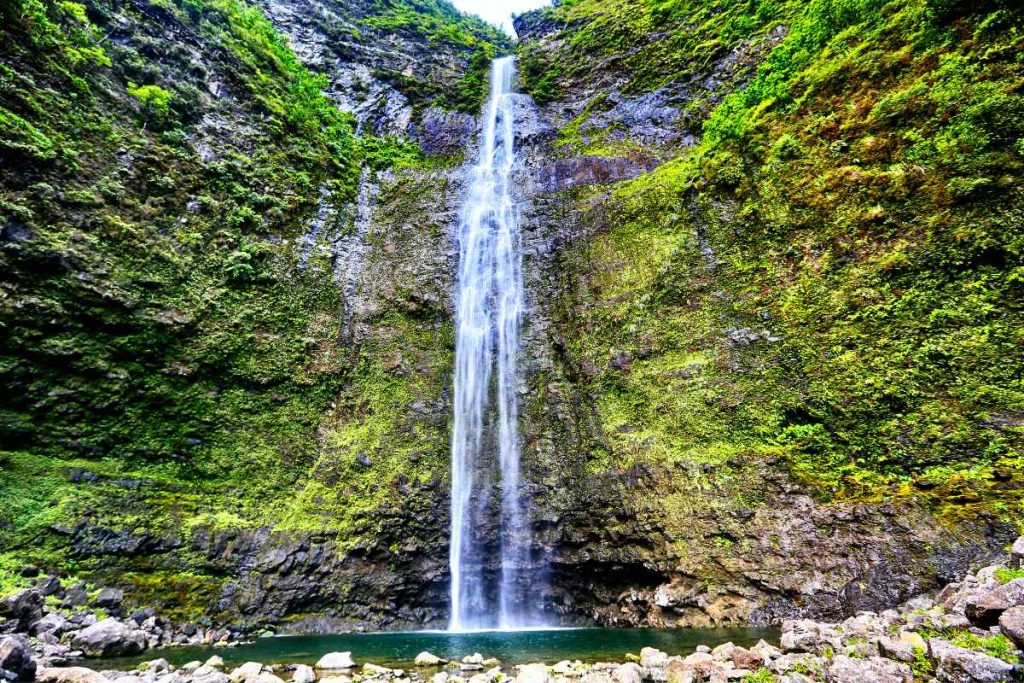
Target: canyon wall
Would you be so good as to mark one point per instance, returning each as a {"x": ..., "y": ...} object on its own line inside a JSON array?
[{"x": 772, "y": 355}]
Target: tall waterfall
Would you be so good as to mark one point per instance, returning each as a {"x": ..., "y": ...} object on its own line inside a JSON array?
[{"x": 489, "y": 303}]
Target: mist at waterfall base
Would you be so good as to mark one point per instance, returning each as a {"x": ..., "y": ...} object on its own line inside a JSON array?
[{"x": 485, "y": 449}]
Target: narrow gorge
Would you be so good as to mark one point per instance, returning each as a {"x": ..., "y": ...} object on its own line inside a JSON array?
[{"x": 332, "y": 315}]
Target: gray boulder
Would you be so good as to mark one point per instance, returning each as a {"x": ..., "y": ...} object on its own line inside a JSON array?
[
  {"x": 626, "y": 673},
  {"x": 247, "y": 672},
  {"x": 843, "y": 669},
  {"x": 957, "y": 665},
  {"x": 1011, "y": 623},
  {"x": 1017, "y": 553},
  {"x": 159, "y": 666},
  {"x": 984, "y": 609},
  {"x": 109, "y": 637},
  {"x": 51, "y": 623},
  {"x": 22, "y": 609},
  {"x": 303, "y": 674},
  {"x": 653, "y": 658},
  {"x": 800, "y": 635},
  {"x": 109, "y": 598},
  {"x": 427, "y": 659},
  {"x": 336, "y": 661},
  {"x": 76, "y": 596},
  {"x": 16, "y": 658},
  {"x": 71, "y": 674},
  {"x": 211, "y": 675}
]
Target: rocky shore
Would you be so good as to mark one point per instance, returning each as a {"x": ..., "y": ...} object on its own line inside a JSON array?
[
  {"x": 52, "y": 625},
  {"x": 972, "y": 631}
]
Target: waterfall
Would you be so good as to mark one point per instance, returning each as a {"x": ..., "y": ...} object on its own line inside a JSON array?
[{"x": 489, "y": 306}]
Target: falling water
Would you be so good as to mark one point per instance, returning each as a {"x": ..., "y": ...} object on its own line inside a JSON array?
[{"x": 489, "y": 308}]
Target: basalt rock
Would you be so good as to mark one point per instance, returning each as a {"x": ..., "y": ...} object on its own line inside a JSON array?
[
  {"x": 22, "y": 609},
  {"x": 109, "y": 637},
  {"x": 16, "y": 658}
]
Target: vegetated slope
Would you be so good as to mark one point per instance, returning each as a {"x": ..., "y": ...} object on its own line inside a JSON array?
[
  {"x": 822, "y": 283},
  {"x": 177, "y": 204}
]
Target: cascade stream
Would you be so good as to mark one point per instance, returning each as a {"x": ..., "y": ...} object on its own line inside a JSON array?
[{"x": 489, "y": 307}]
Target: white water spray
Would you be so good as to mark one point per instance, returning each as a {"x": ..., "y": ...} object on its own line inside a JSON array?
[{"x": 489, "y": 304}]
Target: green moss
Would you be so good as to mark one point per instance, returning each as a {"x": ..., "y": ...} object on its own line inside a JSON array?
[
  {"x": 998, "y": 646},
  {"x": 828, "y": 285},
  {"x": 170, "y": 352},
  {"x": 1004, "y": 575}
]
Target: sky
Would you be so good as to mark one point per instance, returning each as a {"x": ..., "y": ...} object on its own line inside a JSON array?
[{"x": 498, "y": 12}]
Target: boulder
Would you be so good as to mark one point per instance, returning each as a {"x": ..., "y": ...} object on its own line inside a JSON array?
[
  {"x": 210, "y": 675},
  {"x": 109, "y": 637},
  {"x": 75, "y": 596},
  {"x": 723, "y": 652},
  {"x": 984, "y": 608},
  {"x": 49, "y": 585},
  {"x": 51, "y": 623},
  {"x": 701, "y": 663},
  {"x": 16, "y": 658},
  {"x": 268, "y": 677},
  {"x": 428, "y": 659},
  {"x": 565, "y": 668},
  {"x": 678, "y": 671},
  {"x": 334, "y": 661},
  {"x": 24, "y": 608},
  {"x": 766, "y": 651},
  {"x": 653, "y": 658},
  {"x": 532, "y": 673},
  {"x": 190, "y": 667},
  {"x": 1011, "y": 623},
  {"x": 442, "y": 677},
  {"x": 743, "y": 658},
  {"x": 627, "y": 673},
  {"x": 475, "y": 658},
  {"x": 71, "y": 674},
  {"x": 799, "y": 636},
  {"x": 957, "y": 665},
  {"x": 303, "y": 674},
  {"x": 109, "y": 598},
  {"x": 204, "y": 670},
  {"x": 896, "y": 649},
  {"x": 843, "y": 669},
  {"x": 595, "y": 677},
  {"x": 58, "y": 654},
  {"x": 247, "y": 672},
  {"x": 793, "y": 678},
  {"x": 216, "y": 661},
  {"x": 799, "y": 662},
  {"x": 158, "y": 666},
  {"x": 1017, "y": 553}
]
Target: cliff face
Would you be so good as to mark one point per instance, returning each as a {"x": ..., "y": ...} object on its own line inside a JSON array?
[
  {"x": 226, "y": 299},
  {"x": 759, "y": 386},
  {"x": 772, "y": 353}
]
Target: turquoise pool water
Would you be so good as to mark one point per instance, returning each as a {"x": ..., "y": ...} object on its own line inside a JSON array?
[{"x": 511, "y": 647}]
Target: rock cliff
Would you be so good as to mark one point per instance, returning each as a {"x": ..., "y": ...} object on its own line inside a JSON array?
[{"x": 772, "y": 348}]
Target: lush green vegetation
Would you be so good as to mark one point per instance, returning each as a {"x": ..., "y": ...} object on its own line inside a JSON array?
[
  {"x": 168, "y": 350},
  {"x": 437, "y": 22},
  {"x": 827, "y": 283},
  {"x": 831, "y": 277}
]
